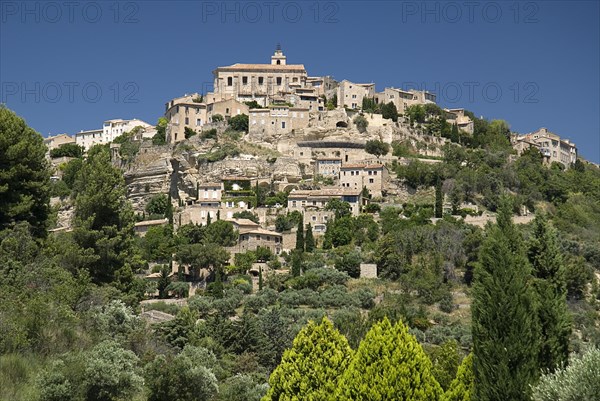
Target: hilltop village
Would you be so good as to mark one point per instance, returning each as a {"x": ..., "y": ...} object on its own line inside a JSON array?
[{"x": 271, "y": 140}]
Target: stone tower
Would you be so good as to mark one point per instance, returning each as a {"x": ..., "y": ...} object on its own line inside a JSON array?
[{"x": 278, "y": 58}]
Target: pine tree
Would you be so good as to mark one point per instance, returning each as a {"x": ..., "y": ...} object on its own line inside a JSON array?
[
  {"x": 504, "y": 317},
  {"x": 24, "y": 175},
  {"x": 461, "y": 388},
  {"x": 300, "y": 235},
  {"x": 439, "y": 199},
  {"x": 311, "y": 369},
  {"x": 550, "y": 285},
  {"x": 389, "y": 365},
  {"x": 309, "y": 239}
]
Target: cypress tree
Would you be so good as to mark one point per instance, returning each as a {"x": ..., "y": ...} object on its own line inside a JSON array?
[
  {"x": 208, "y": 220},
  {"x": 550, "y": 285},
  {"x": 439, "y": 199},
  {"x": 389, "y": 364},
  {"x": 218, "y": 215},
  {"x": 260, "y": 279},
  {"x": 311, "y": 369},
  {"x": 169, "y": 211},
  {"x": 300, "y": 235},
  {"x": 504, "y": 316},
  {"x": 296, "y": 262},
  {"x": 309, "y": 239}
]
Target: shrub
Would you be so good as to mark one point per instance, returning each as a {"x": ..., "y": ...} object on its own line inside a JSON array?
[{"x": 361, "y": 123}]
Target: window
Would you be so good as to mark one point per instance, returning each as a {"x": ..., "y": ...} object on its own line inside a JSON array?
[
  {"x": 370, "y": 181},
  {"x": 227, "y": 110},
  {"x": 261, "y": 80},
  {"x": 314, "y": 218},
  {"x": 353, "y": 96},
  {"x": 198, "y": 121},
  {"x": 206, "y": 194},
  {"x": 370, "y": 173},
  {"x": 278, "y": 80},
  {"x": 214, "y": 194},
  {"x": 187, "y": 120},
  {"x": 295, "y": 79},
  {"x": 229, "y": 81},
  {"x": 283, "y": 124},
  {"x": 278, "y": 62},
  {"x": 244, "y": 80},
  {"x": 374, "y": 172}
]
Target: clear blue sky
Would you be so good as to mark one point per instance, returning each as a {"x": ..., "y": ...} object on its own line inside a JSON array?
[{"x": 533, "y": 64}]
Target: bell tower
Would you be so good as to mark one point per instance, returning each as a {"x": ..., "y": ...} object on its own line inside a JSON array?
[{"x": 278, "y": 58}]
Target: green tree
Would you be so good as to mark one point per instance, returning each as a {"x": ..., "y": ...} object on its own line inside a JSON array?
[
  {"x": 184, "y": 377},
  {"x": 222, "y": 233},
  {"x": 309, "y": 239},
  {"x": 439, "y": 199},
  {"x": 70, "y": 170},
  {"x": 103, "y": 216},
  {"x": 445, "y": 361},
  {"x": 576, "y": 382},
  {"x": 300, "y": 236},
  {"x": 296, "y": 262},
  {"x": 239, "y": 122},
  {"x": 461, "y": 388},
  {"x": 110, "y": 373},
  {"x": 505, "y": 326},
  {"x": 416, "y": 113},
  {"x": 388, "y": 365},
  {"x": 377, "y": 147},
  {"x": 361, "y": 123},
  {"x": 158, "y": 204},
  {"x": 311, "y": 369},
  {"x": 160, "y": 138},
  {"x": 24, "y": 175},
  {"x": 246, "y": 214},
  {"x": 217, "y": 118},
  {"x": 389, "y": 111},
  {"x": 67, "y": 150},
  {"x": 341, "y": 208},
  {"x": 550, "y": 284}
]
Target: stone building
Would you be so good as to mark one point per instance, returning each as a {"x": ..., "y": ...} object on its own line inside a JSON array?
[
  {"x": 328, "y": 166},
  {"x": 89, "y": 138},
  {"x": 403, "y": 99},
  {"x": 550, "y": 145},
  {"x": 53, "y": 142},
  {"x": 359, "y": 176},
  {"x": 259, "y": 82},
  {"x": 351, "y": 94},
  {"x": 114, "y": 128},
  {"x": 189, "y": 112},
  {"x": 251, "y": 239},
  {"x": 276, "y": 120},
  {"x": 458, "y": 117},
  {"x": 302, "y": 200}
]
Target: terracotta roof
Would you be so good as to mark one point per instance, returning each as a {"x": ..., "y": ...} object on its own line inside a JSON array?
[
  {"x": 329, "y": 192},
  {"x": 261, "y": 231},
  {"x": 258, "y": 67},
  {"x": 151, "y": 222},
  {"x": 362, "y": 165},
  {"x": 244, "y": 222}
]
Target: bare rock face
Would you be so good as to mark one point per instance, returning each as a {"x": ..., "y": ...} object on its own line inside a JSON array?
[{"x": 148, "y": 175}]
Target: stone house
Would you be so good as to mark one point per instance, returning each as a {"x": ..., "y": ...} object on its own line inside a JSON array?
[
  {"x": 142, "y": 227},
  {"x": 351, "y": 94},
  {"x": 328, "y": 166},
  {"x": 53, "y": 142},
  {"x": 550, "y": 145},
  {"x": 276, "y": 120},
  {"x": 302, "y": 200},
  {"x": 359, "y": 176},
  {"x": 458, "y": 117},
  {"x": 251, "y": 239}
]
